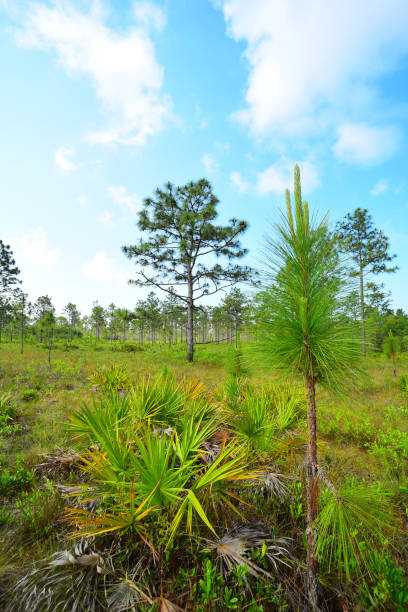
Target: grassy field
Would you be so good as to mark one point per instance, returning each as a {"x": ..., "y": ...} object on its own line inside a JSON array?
[{"x": 363, "y": 440}]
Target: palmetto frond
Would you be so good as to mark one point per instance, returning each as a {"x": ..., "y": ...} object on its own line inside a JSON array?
[
  {"x": 68, "y": 580},
  {"x": 234, "y": 549}
]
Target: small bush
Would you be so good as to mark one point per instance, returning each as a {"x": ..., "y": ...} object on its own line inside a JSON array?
[
  {"x": 8, "y": 408},
  {"x": 39, "y": 509},
  {"x": 5, "y": 517},
  {"x": 28, "y": 395},
  {"x": 8, "y": 413},
  {"x": 390, "y": 589},
  {"x": 112, "y": 378},
  {"x": 13, "y": 483},
  {"x": 403, "y": 381},
  {"x": 127, "y": 347}
]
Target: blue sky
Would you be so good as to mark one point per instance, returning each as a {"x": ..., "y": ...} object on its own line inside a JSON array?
[{"x": 102, "y": 101}]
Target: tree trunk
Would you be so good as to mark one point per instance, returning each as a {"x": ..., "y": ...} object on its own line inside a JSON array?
[
  {"x": 312, "y": 493},
  {"x": 362, "y": 312},
  {"x": 236, "y": 334},
  {"x": 394, "y": 367},
  {"x": 190, "y": 320},
  {"x": 49, "y": 350},
  {"x": 22, "y": 330}
]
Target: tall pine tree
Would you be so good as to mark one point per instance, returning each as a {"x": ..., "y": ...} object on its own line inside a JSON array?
[
  {"x": 180, "y": 243},
  {"x": 302, "y": 330},
  {"x": 369, "y": 250}
]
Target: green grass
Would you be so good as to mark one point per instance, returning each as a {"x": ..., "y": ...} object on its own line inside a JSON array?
[{"x": 363, "y": 439}]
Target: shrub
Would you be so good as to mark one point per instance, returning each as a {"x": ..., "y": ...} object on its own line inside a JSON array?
[
  {"x": 5, "y": 517},
  {"x": 13, "y": 483},
  {"x": 389, "y": 590},
  {"x": 403, "y": 381},
  {"x": 110, "y": 379},
  {"x": 259, "y": 416},
  {"x": 39, "y": 509},
  {"x": 28, "y": 395},
  {"x": 8, "y": 408},
  {"x": 128, "y": 347},
  {"x": 146, "y": 473},
  {"x": 8, "y": 412}
]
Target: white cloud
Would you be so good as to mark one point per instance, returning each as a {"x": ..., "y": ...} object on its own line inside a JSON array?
[
  {"x": 63, "y": 159},
  {"x": 33, "y": 248},
  {"x": 279, "y": 176},
  {"x": 379, "y": 187},
  {"x": 241, "y": 185},
  {"x": 128, "y": 201},
  {"x": 312, "y": 62},
  {"x": 210, "y": 163},
  {"x": 107, "y": 218},
  {"x": 121, "y": 65},
  {"x": 103, "y": 269},
  {"x": 149, "y": 15},
  {"x": 363, "y": 144}
]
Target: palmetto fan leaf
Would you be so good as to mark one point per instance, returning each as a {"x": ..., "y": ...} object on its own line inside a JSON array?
[
  {"x": 234, "y": 547},
  {"x": 68, "y": 580}
]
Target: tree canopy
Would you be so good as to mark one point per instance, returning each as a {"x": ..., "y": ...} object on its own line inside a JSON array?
[{"x": 181, "y": 247}]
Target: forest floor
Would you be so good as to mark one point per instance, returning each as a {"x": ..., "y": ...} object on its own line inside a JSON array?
[{"x": 357, "y": 433}]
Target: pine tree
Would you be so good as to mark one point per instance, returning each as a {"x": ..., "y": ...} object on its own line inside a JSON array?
[
  {"x": 235, "y": 304},
  {"x": 369, "y": 249},
  {"x": 98, "y": 319},
  {"x": 8, "y": 269},
  {"x": 181, "y": 239},
  {"x": 73, "y": 316},
  {"x": 302, "y": 329}
]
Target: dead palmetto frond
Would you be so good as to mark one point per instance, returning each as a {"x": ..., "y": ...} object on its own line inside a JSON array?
[
  {"x": 211, "y": 452},
  {"x": 165, "y": 605},
  {"x": 128, "y": 592},
  {"x": 272, "y": 484},
  {"x": 59, "y": 462},
  {"x": 234, "y": 548},
  {"x": 68, "y": 580}
]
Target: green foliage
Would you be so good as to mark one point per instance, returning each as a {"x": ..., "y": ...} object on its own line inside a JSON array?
[
  {"x": 368, "y": 246},
  {"x": 28, "y": 395},
  {"x": 404, "y": 383},
  {"x": 350, "y": 525},
  {"x": 391, "y": 448},
  {"x": 39, "y": 510},
  {"x": 110, "y": 379},
  {"x": 159, "y": 469},
  {"x": 6, "y": 517},
  {"x": 127, "y": 347},
  {"x": 11, "y": 483},
  {"x": 259, "y": 416},
  {"x": 8, "y": 407},
  {"x": 389, "y": 589},
  {"x": 8, "y": 413},
  {"x": 301, "y": 330},
  {"x": 8, "y": 269},
  {"x": 179, "y": 235}
]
